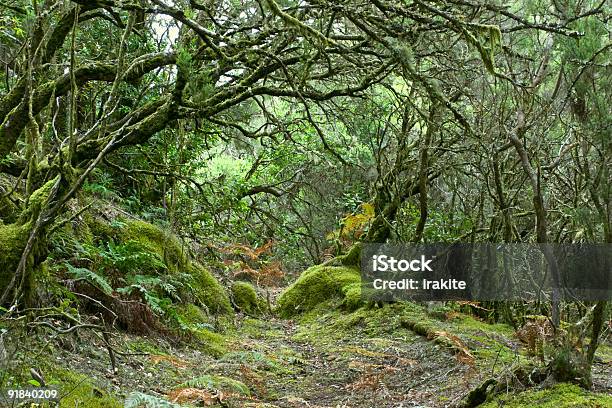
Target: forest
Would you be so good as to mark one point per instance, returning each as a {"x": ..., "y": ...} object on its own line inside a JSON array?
[{"x": 189, "y": 191}]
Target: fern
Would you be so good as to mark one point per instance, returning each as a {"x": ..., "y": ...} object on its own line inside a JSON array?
[
  {"x": 90, "y": 276},
  {"x": 216, "y": 382},
  {"x": 141, "y": 400}
]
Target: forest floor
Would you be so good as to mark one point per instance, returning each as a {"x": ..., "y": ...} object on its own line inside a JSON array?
[{"x": 327, "y": 358}]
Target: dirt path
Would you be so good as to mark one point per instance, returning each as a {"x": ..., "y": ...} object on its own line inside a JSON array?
[
  {"x": 363, "y": 359},
  {"x": 354, "y": 369}
]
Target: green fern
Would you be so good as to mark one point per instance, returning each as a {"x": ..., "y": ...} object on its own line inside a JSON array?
[
  {"x": 217, "y": 382},
  {"x": 141, "y": 400},
  {"x": 90, "y": 276}
]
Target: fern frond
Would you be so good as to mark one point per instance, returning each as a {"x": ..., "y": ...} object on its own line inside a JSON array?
[
  {"x": 90, "y": 276},
  {"x": 141, "y": 400}
]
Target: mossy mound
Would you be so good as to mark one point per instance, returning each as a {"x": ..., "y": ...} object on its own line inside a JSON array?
[
  {"x": 208, "y": 291},
  {"x": 352, "y": 297},
  {"x": 245, "y": 297},
  {"x": 560, "y": 396},
  {"x": 156, "y": 240},
  {"x": 203, "y": 288},
  {"x": 314, "y": 286}
]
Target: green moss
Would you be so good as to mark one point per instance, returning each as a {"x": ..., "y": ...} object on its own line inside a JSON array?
[
  {"x": 315, "y": 286},
  {"x": 353, "y": 256},
  {"x": 196, "y": 323},
  {"x": 208, "y": 291},
  {"x": 191, "y": 314},
  {"x": 78, "y": 391},
  {"x": 352, "y": 297},
  {"x": 101, "y": 230},
  {"x": 560, "y": 396},
  {"x": 211, "y": 343},
  {"x": 203, "y": 289},
  {"x": 8, "y": 210},
  {"x": 36, "y": 201},
  {"x": 13, "y": 238},
  {"x": 156, "y": 240},
  {"x": 245, "y": 297}
]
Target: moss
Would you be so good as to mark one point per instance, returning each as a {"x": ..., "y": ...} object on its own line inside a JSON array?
[
  {"x": 211, "y": 343},
  {"x": 353, "y": 256},
  {"x": 245, "y": 297},
  {"x": 78, "y": 391},
  {"x": 8, "y": 210},
  {"x": 208, "y": 291},
  {"x": 191, "y": 314},
  {"x": 13, "y": 238},
  {"x": 204, "y": 289},
  {"x": 100, "y": 230},
  {"x": 560, "y": 396},
  {"x": 315, "y": 286},
  {"x": 352, "y": 297},
  {"x": 156, "y": 240},
  {"x": 36, "y": 201},
  {"x": 196, "y": 323}
]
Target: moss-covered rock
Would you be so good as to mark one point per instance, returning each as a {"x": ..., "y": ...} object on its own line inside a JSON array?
[
  {"x": 207, "y": 290},
  {"x": 100, "y": 230},
  {"x": 245, "y": 297},
  {"x": 203, "y": 289},
  {"x": 315, "y": 286}
]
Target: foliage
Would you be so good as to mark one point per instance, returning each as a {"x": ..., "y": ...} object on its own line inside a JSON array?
[
  {"x": 214, "y": 382},
  {"x": 141, "y": 400},
  {"x": 96, "y": 280}
]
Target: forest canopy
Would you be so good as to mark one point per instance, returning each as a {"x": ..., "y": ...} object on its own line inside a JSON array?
[{"x": 145, "y": 142}]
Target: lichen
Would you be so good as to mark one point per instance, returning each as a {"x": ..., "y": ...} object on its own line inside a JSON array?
[
  {"x": 315, "y": 286},
  {"x": 245, "y": 297}
]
